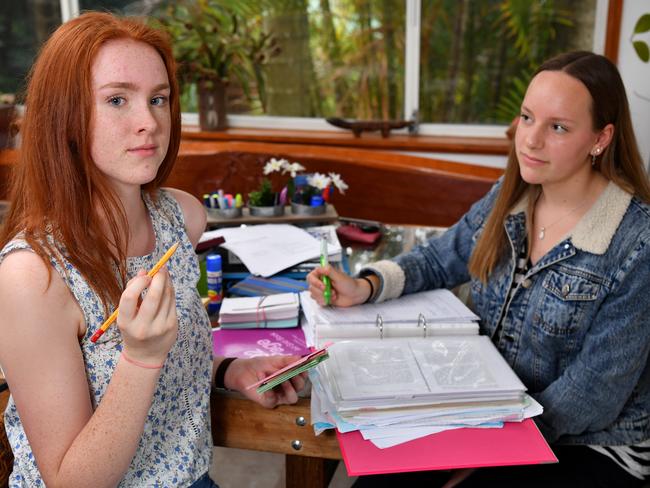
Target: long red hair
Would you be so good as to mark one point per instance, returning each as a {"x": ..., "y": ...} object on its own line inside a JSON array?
[{"x": 56, "y": 189}]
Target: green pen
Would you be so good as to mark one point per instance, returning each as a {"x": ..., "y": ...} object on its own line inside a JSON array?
[{"x": 327, "y": 294}]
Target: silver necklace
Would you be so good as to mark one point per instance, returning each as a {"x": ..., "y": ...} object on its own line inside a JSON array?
[{"x": 543, "y": 229}]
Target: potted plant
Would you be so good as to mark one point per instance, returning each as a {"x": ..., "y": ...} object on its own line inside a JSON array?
[
  {"x": 214, "y": 41},
  {"x": 308, "y": 193}
]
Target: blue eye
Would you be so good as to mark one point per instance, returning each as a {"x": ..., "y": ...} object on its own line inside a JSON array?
[
  {"x": 116, "y": 101},
  {"x": 159, "y": 100},
  {"x": 560, "y": 129}
]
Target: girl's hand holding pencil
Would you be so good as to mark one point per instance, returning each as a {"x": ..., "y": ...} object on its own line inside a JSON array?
[{"x": 148, "y": 325}]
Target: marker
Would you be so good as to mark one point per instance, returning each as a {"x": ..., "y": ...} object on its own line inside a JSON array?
[
  {"x": 152, "y": 272},
  {"x": 327, "y": 294}
]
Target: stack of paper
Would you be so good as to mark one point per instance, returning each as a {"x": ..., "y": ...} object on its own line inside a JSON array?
[
  {"x": 272, "y": 311},
  {"x": 270, "y": 248},
  {"x": 421, "y": 369},
  {"x": 400, "y": 389}
]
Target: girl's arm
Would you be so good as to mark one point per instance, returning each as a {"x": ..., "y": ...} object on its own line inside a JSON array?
[{"x": 40, "y": 354}]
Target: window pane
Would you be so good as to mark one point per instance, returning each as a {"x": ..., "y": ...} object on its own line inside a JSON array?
[
  {"x": 23, "y": 28},
  {"x": 126, "y": 7},
  {"x": 315, "y": 58},
  {"x": 337, "y": 58},
  {"x": 477, "y": 56}
]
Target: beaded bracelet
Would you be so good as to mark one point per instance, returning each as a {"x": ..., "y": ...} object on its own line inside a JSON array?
[
  {"x": 220, "y": 375},
  {"x": 140, "y": 363},
  {"x": 372, "y": 288}
]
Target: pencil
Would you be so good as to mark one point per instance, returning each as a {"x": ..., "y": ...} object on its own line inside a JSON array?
[{"x": 152, "y": 272}]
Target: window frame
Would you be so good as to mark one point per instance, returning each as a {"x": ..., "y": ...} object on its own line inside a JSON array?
[{"x": 606, "y": 38}]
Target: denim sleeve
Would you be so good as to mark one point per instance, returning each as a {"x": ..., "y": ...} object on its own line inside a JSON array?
[
  {"x": 593, "y": 390},
  {"x": 442, "y": 261}
]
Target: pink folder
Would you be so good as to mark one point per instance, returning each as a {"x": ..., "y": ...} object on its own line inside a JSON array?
[
  {"x": 516, "y": 443},
  {"x": 248, "y": 343}
]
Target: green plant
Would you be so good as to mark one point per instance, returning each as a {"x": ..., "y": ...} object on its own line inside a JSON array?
[
  {"x": 264, "y": 197},
  {"x": 642, "y": 26},
  {"x": 216, "y": 40}
]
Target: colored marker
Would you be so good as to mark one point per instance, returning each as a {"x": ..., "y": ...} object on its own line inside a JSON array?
[{"x": 327, "y": 294}]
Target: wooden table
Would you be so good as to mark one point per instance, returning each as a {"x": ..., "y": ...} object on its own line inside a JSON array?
[{"x": 241, "y": 423}]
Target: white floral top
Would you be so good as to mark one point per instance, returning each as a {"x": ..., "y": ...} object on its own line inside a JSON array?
[{"x": 176, "y": 446}]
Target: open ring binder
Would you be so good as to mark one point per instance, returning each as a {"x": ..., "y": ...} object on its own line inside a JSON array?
[{"x": 422, "y": 322}]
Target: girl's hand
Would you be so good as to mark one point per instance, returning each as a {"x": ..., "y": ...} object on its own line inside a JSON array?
[
  {"x": 346, "y": 291},
  {"x": 148, "y": 325},
  {"x": 244, "y": 372}
]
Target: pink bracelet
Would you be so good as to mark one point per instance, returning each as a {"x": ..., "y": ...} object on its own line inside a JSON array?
[{"x": 140, "y": 363}]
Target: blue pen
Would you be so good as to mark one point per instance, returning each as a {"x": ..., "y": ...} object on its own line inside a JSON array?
[{"x": 327, "y": 294}]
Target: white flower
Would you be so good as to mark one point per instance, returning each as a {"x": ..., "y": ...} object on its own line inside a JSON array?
[
  {"x": 338, "y": 182},
  {"x": 274, "y": 165},
  {"x": 292, "y": 168},
  {"x": 318, "y": 181}
]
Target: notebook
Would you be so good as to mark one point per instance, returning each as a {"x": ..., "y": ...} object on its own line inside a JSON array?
[{"x": 255, "y": 286}]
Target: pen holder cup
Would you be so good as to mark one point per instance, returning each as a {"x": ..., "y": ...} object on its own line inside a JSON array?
[
  {"x": 302, "y": 209},
  {"x": 230, "y": 213},
  {"x": 275, "y": 211},
  {"x": 225, "y": 213}
]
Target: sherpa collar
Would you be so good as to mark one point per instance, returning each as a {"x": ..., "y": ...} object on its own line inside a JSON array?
[{"x": 597, "y": 227}]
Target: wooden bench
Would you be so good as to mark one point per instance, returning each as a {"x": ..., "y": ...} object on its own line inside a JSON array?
[{"x": 388, "y": 187}]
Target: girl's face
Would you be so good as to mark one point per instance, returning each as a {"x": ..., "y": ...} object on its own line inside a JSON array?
[
  {"x": 131, "y": 122},
  {"x": 555, "y": 136}
]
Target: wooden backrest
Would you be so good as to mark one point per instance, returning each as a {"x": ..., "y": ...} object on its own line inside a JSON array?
[{"x": 388, "y": 187}]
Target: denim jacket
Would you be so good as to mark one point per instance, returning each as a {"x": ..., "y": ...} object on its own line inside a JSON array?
[{"x": 577, "y": 328}]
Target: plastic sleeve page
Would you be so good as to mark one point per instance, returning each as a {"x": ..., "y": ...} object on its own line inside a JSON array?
[
  {"x": 374, "y": 369},
  {"x": 464, "y": 364}
]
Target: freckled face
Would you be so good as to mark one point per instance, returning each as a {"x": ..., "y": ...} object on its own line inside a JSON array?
[
  {"x": 131, "y": 122},
  {"x": 555, "y": 135}
]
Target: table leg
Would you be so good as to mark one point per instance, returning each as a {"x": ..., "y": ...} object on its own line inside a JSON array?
[{"x": 312, "y": 472}]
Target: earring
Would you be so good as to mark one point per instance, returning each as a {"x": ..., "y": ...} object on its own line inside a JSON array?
[{"x": 593, "y": 156}]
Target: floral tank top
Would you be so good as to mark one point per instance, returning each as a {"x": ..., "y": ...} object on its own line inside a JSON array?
[{"x": 176, "y": 446}]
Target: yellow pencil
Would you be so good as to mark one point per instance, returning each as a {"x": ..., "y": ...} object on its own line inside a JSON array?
[{"x": 152, "y": 272}]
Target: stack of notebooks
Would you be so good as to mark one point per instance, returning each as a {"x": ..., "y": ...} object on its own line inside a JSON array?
[
  {"x": 272, "y": 311},
  {"x": 421, "y": 368}
]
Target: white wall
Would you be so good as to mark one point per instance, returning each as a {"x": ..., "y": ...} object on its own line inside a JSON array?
[{"x": 636, "y": 74}]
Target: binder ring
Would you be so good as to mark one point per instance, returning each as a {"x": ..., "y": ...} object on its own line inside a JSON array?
[
  {"x": 380, "y": 323},
  {"x": 422, "y": 321}
]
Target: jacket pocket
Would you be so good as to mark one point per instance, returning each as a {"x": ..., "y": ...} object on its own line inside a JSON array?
[{"x": 568, "y": 299}]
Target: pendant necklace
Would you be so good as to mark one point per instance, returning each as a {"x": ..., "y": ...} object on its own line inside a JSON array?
[{"x": 543, "y": 229}]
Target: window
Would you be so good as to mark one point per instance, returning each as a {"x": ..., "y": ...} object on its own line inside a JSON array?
[
  {"x": 23, "y": 28},
  {"x": 449, "y": 62},
  {"x": 476, "y": 57}
]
